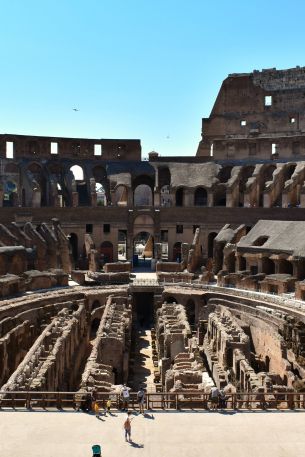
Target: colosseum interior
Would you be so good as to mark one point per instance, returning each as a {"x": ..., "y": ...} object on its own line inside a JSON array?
[{"x": 176, "y": 273}]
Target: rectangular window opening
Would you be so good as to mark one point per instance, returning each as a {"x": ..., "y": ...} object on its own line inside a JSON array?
[
  {"x": 179, "y": 228},
  {"x": 89, "y": 228},
  {"x": 97, "y": 149},
  {"x": 54, "y": 148},
  {"x": 106, "y": 228},
  {"x": 268, "y": 100},
  {"x": 243, "y": 123},
  {"x": 195, "y": 227},
  {"x": 9, "y": 150},
  {"x": 274, "y": 148},
  {"x": 292, "y": 120}
]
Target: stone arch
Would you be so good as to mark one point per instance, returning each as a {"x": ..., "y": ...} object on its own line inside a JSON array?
[
  {"x": 200, "y": 197},
  {"x": 106, "y": 250},
  {"x": 143, "y": 190},
  {"x": 81, "y": 184},
  {"x": 100, "y": 175},
  {"x": 143, "y": 195},
  {"x": 246, "y": 173},
  {"x": 38, "y": 174},
  {"x": 143, "y": 223}
]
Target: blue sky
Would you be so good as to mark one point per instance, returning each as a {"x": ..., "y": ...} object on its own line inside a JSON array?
[{"x": 147, "y": 69}]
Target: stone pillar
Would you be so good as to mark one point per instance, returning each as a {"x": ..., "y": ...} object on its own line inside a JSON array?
[
  {"x": 210, "y": 198},
  {"x": 74, "y": 199},
  {"x": 36, "y": 198},
  {"x": 93, "y": 199},
  {"x": 157, "y": 198}
]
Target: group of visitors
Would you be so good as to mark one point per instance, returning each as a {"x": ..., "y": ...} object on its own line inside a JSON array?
[
  {"x": 125, "y": 397},
  {"x": 218, "y": 398}
]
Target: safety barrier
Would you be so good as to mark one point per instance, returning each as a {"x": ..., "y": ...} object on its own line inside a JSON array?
[{"x": 154, "y": 401}]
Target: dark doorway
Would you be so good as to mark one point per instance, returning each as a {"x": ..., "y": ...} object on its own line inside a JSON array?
[{"x": 144, "y": 308}]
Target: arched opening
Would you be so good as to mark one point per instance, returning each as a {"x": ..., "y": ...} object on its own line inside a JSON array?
[
  {"x": 100, "y": 175},
  {"x": 268, "y": 266},
  {"x": 73, "y": 240},
  {"x": 211, "y": 237},
  {"x": 94, "y": 327},
  {"x": 36, "y": 174},
  {"x": 122, "y": 245},
  {"x": 121, "y": 195},
  {"x": 143, "y": 188},
  {"x": 200, "y": 197},
  {"x": 101, "y": 199},
  {"x": 180, "y": 196},
  {"x": 143, "y": 195},
  {"x": 143, "y": 250},
  {"x": 165, "y": 196},
  {"x": 177, "y": 255},
  {"x": 191, "y": 312},
  {"x": 78, "y": 172},
  {"x": 267, "y": 363},
  {"x": 96, "y": 304},
  {"x": 246, "y": 173},
  {"x": 81, "y": 185},
  {"x": 106, "y": 250},
  {"x": 10, "y": 193}
]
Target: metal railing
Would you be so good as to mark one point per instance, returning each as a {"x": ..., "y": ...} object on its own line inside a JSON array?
[{"x": 153, "y": 401}]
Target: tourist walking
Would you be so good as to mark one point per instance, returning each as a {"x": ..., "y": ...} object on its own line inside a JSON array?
[
  {"x": 141, "y": 399},
  {"x": 127, "y": 427}
]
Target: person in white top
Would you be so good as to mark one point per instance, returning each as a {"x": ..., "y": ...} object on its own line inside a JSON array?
[{"x": 125, "y": 396}]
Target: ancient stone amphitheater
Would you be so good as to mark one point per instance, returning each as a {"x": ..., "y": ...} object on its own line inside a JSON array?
[{"x": 177, "y": 274}]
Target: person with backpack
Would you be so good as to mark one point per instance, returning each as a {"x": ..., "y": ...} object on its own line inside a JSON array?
[
  {"x": 125, "y": 396},
  {"x": 141, "y": 399}
]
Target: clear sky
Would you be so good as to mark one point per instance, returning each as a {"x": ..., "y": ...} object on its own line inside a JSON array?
[{"x": 147, "y": 69}]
